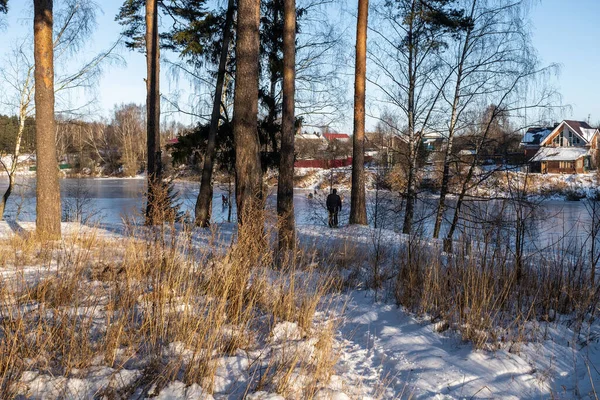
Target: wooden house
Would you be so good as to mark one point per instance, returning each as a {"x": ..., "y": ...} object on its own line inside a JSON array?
[{"x": 569, "y": 148}]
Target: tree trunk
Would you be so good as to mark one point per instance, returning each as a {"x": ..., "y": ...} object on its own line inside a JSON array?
[
  {"x": 245, "y": 119},
  {"x": 48, "y": 187},
  {"x": 410, "y": 114},
  {"x": 153, "y": 210},
  {"x": 358, "y": 205},
  {"x": 204, "y": 202},
  {"x": 285, "y": 184},
  {"x": 7, "y": 193}
]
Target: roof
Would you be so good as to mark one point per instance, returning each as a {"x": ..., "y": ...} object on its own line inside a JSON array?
[
  {"x": 307, "y": 135},
  {"x": 338, "y": 136},
  {"x": 433, "y": 135},
  {"x": 580, "y": 128},
  {"x": 559, "y": 154},
  {"x": 534, "y": 136}
]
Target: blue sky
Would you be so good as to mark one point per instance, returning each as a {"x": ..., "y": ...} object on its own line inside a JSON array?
[{"x": 564, "y": 32}]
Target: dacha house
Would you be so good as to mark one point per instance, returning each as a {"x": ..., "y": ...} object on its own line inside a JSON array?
[{"x": 567, "y": 148}]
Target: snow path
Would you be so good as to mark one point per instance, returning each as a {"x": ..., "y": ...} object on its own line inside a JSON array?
[{"x": 402, "y": 357}]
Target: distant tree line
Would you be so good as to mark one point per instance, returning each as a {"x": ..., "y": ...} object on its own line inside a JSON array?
[{"x": 9, "y": 127}]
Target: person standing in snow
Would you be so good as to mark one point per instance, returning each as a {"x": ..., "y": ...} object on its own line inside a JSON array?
[{"x": 334, "y": 206}]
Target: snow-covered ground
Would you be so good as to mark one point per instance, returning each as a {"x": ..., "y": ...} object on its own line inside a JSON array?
[
  {"x": 554, "y": 186},
  {"x": 499, "y": 184},
  {"x": 382, "y": 351},
  {"x": 401, "y": 356}
]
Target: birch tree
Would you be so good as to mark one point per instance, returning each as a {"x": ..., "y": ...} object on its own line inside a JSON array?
[
  {"x": 410, "y": 36},
  {"x": 482, "y": 61},
  {"x": 18, "y": 74}
]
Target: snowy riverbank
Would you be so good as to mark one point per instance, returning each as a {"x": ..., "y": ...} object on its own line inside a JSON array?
[{"x": 379, "y": 351}]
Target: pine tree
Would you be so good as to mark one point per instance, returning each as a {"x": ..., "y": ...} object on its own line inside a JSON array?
[
  {"x": 358, "y": 205},
  {"x": 245, "y": 118},
  {"x": 285, "y": 187},
  {"x": 153, "y": 212},
  {"x": 142, "y": 34},
  {"x": 48, "y": 210}
]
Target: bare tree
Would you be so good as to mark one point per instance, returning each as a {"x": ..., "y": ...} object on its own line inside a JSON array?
[
  {"x": 511, "y": 100},
  {"x": 22, "y": 82},
  {"x": 482, "y": 61},
  {"x": 48, "y": 188},
  {"x": 358, "y": 204},
  {"x": 453, "y": 121},
  {"x": 285, "y": 187},
  {"x": 245, "y": 118},
  {"x": 410, "y": 37},
  {"x": 129, "y": 137}
]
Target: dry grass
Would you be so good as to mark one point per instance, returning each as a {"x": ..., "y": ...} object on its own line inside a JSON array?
[
  {"x": 478, "y": 291},
  {"x": 156, "y": 302}
]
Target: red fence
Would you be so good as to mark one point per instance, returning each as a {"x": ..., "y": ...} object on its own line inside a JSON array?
[{"x": 323, "y": 164}]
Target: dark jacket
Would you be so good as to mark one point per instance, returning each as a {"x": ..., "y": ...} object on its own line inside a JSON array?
[{"x": 334, "y": 202}]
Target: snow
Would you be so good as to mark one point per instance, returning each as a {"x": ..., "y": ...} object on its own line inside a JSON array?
[
  {"x": 22, "y": 162},
  {"x": 285, "y": 331},
  {"x": 588, "y": 133},
  {"x": 535, "y": 136},
  {"x": 559, "y": 154},
  {"x": 88, "y": 386},
  {"x": 420, "y": 361},
  {"x": 178, "y": 390},
  {"x": 309, "y": 136},
  {"x": 383, "y": 352}
]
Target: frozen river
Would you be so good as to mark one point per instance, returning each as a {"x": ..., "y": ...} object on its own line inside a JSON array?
[{"x": 110, "y": 200}]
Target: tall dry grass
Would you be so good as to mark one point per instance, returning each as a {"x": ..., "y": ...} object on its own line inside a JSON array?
[
  {"x": 158, "y": 303},
  {"x": 481, "y": 292}
]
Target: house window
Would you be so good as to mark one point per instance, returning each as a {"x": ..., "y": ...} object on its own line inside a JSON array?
[{"x": 565, "y": 165}]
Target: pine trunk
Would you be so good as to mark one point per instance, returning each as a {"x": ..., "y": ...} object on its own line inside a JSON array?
[
  {"x": 285, "y": 188},
  {"x": 204, "y": 201},
  {"x": 245, "y": 119},
  {"x": 153, "y": 211},
  {"x": 48, "y": 188},
  {"x": 358, "y": 205}
]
